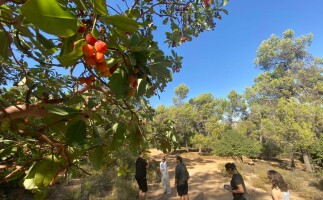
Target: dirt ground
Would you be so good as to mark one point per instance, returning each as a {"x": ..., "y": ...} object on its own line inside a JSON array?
[{"x": 206, "y": 181}]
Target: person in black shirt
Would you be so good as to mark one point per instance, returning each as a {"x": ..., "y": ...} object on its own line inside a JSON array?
[
  {"x": 141, "y": 171},
  {"x": 237, "y": 186},
  {"x": 181, "y": 178}
]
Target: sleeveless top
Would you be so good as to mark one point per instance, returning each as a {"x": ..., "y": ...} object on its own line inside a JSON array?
[{"x": 286, "y": 196}]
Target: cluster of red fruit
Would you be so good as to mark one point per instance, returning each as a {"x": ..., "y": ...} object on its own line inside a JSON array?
[
  {"x": 207, "y": 3},
  {"x": 88, "y": 80},
  {"x": 94, "y": 52},
  {"x": 176, "y": 69},
  {"x": 133, "y": 85},
  {"x": 183, "y": 39}
]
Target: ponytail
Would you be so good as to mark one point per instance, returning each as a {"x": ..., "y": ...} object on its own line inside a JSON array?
[{"x": 231, "y": 166}]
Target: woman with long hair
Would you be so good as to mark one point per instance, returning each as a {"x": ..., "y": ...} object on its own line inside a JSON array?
[
  {"x": 279, "y": 189},
  {"x": 237, "y": 186}
]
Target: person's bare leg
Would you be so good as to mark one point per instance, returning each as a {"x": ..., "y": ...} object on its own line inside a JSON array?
[{"x": 143, "y": 195}]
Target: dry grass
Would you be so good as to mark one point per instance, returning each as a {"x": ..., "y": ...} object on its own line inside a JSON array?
[{"x": 306, "y": 185}]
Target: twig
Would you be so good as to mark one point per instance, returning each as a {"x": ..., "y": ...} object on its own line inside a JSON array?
[{"x": 81, "y": 169}]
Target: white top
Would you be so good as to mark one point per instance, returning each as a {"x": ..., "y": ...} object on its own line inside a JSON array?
[
  {"x": 286, "y": 196},
  {"x": 163, "y": 166}
]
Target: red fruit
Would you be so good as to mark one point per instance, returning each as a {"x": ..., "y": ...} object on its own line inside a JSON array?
[
  {"x": 92, "y": 78},
  {"x": 88, "y": 81},
  {"x": 90, "y": 39},
  {"x": 102, "y": 67},
  {"x": 90, "y": 60},
  {"x": 106, "y": 73},
  {"x": 82, "y": 80},
  {"x": 88, "y": 50},
  {"x": 81, "y": 29},
  {"x": 183, "y": 39},
  {"x": 207, "y": 3},
  {"x": 134, "y": 84},
  {"x": 131, "y": 79},
  {"x": 131, "y": 92},
  {"x": 136, "y": 70},
  {"x": 99, "y": 57},
  {"x": 101, "y": 47}
]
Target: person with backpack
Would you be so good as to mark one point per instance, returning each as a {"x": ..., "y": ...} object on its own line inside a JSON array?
[
  {"x": 165, "y": 176},
  {"x": 141, "y": 171},
  {"x": 181, "y": 179},
  {"x": 237, "y": 186}
]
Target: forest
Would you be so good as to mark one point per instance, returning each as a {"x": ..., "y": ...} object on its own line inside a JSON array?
[{"x": 279, "y": 115}]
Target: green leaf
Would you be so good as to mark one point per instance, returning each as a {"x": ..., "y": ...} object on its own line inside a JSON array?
[
  {"x": 4, "y": 44},
  {"x": 97, "y": 157},
  {"x": 5, "y": 13},
  {"x": 224, "y": 10},
  {"x": 100, "y": 7},
  {"x": 76, "y": 133},
  {"x": 46, "y": 171},
  {"x": 72, "y": 57},
  {"x": 95, "y": 31},
  {"x": 48, "y": 44},
  {"x": 62, "y": 111},
  {"x": 160, "y": 70},
  {"x": 80, "y": 5},
  {"x": 119, "y": 84},
  {"x": 96, "y": 136},
  {"x": 142, "y": 87},
  {"x": 50, "y": 17},
  {"x": 119, "y": 135},
  {"x": 225, "y": 2},
  {"x": 122, "y": 23},
  {"x": 165, "y": 21}
]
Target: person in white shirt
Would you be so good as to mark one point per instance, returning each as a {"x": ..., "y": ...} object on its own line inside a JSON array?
[{"x": 165, "y": 176}]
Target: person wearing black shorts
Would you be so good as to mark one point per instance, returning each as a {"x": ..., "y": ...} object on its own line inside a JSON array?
[
  {"x": 141, "y": 171},
  {"x": 181, "y": 178}
]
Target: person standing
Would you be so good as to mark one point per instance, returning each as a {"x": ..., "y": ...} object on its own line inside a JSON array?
[
  {"x": 165, "y": 176},
  {"x": 181, "y": 179},
  {"x": 237, "y": 186},
  {"x": 279, "y": 189},
  {"x": 141, "y": 171}
]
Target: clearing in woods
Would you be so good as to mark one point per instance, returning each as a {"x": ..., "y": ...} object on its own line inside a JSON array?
[{"x": 206, "y": 182}]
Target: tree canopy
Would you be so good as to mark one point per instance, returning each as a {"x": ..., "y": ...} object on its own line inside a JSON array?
[{"x": 76, "y": 76}]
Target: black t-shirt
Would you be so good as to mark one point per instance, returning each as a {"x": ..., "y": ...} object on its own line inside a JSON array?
[
  {"x": 235, "y": 181},
  {"x": 181, "y": 174},
  {"x": 141, "y": 168}
]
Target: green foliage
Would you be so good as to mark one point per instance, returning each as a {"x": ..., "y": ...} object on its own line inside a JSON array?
[
  {"x": 200, "y": 141},
  {"x": 180, "y": 94},
  {"x": 316, "y": 152},
  {"x": 47, "y": 109},
  {"x": 235, "y": 144},
  {"x": 49, "y": 15}
]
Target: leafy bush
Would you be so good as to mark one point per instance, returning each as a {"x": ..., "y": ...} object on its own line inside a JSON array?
[
  {"x": 200, "y": 141},
  {"x": 236, "y": 145},
  {"x": 317, "y": 152}
]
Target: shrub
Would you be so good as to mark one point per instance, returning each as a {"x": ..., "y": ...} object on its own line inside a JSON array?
[
  {"x": 236, "y": 145},
  {"x": 123, "y": 189},
  {"x": 200, "y": 141}
]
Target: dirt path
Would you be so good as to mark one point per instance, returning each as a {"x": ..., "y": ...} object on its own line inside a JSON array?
[{"x": 206, "y": 181}]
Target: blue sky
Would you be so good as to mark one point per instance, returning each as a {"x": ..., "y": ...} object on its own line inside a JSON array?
[{"x": 222, "y": 60}]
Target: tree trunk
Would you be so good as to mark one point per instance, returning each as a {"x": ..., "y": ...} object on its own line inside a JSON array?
[
  {"x": 200, "y": 150},
  {"x": 186, "y": 144},
  {"x": 292, "y": 162},
  {"x": 306, "y": 159}
]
